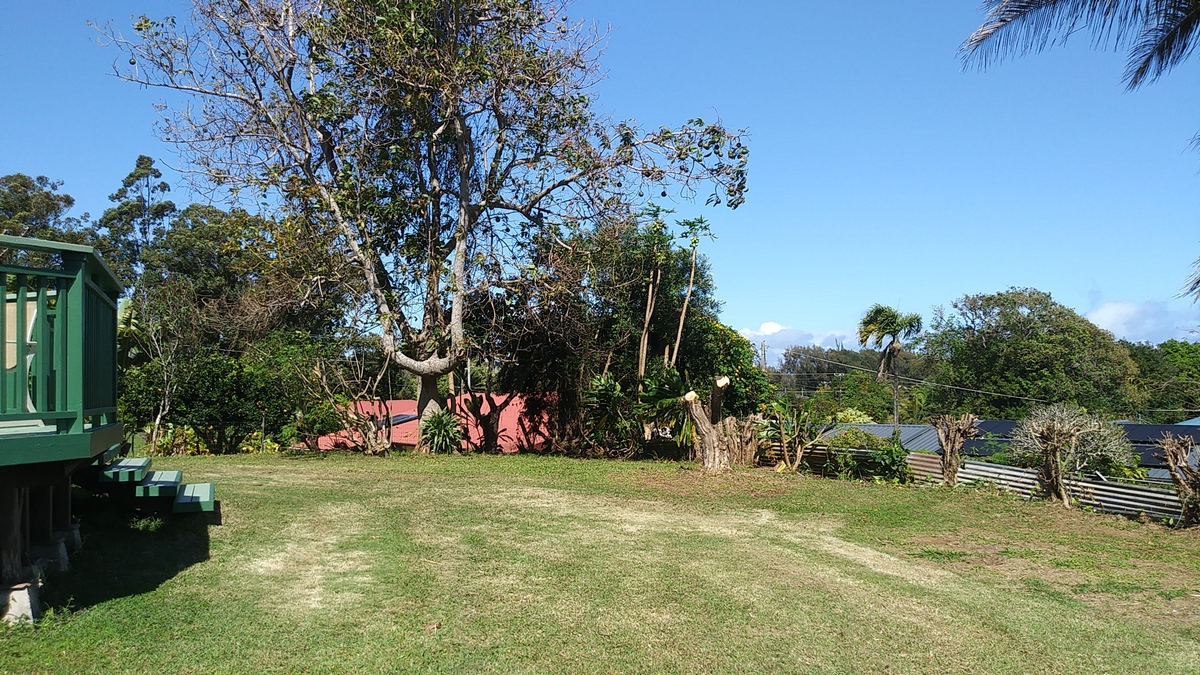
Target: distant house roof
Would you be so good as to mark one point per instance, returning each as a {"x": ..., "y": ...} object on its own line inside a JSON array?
[
  {"x": 912, "y": 436},
  {"x": 1194, "y": 422},
  {"x": 995, "y": 435}
]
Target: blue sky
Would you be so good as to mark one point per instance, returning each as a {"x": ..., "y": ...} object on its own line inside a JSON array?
[{"x": 881, "y": 170}]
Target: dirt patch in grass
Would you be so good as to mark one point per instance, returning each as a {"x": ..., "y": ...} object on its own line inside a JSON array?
[
  {"x": 306, "y": 567},
  {"x": 637, "y": 517},
  {"x": 687, "y": 481}
]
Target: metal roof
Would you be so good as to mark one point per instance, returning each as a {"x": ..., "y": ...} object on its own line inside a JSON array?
[
  {"x": 994, "y": 437},
  {"x": 912, "y": 436}
]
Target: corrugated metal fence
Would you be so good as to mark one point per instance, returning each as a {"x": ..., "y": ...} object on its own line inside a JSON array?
[{"x": 1123, "y": 498}]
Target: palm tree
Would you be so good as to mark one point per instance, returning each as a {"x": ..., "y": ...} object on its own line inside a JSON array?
[
  {"x": 885, "y": 323},
  {"x": 1158, "y": 34}
]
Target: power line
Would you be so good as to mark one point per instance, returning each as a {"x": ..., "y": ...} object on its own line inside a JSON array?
[{"x": 927, "y": 382}]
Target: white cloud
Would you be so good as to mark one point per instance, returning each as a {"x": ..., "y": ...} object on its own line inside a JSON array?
[
  {"x": 769, "y": 328},
  {"x": 1151, "y": 321},
  {"x": 779, "y": 337}
]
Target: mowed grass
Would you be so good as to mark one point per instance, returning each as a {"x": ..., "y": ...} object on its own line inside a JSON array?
[{"x": 543, "y": 564}]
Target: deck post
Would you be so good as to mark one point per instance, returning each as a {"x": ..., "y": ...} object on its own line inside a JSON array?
[
  {"x": 10, "y": 531},
  {"x": 75, "y": 263},
  {"x": 62, "y": 505},
  {"x": 41, "y": 514}
]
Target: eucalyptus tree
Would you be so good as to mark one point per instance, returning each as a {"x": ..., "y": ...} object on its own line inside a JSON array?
[
  {"x": 429, "y": 142},
  {"x": 882, "y": 323},
  {"x": 139, "y": 213}
]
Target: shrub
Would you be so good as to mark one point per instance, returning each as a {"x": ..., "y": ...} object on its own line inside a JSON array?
[
  {"x": 841, "y": 463},
  {"x": 852, "y": 416},
  {"x": 442, "y": 432},
  {"x": 858, "y": 439},
  {"x": 1065, "y": 439},
  {"x": 891, "y": 463}
]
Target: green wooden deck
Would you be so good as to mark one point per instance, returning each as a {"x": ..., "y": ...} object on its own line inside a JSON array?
[{"x": 58, "y": 353}]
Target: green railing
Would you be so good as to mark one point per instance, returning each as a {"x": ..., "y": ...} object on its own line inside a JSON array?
[{"x": 58, "y": 364}]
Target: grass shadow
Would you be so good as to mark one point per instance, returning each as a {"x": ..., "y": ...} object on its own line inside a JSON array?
[{"x": 126, "y": 553}]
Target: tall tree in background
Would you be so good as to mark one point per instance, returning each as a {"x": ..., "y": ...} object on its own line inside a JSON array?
[
  {"x": 139, "y": 213},
  {"x": 1027, "y": 348},
  {"x": 429, "y": 141},
  {"x": 33, "y": 207},
  {"x": 886, "y": 323}
]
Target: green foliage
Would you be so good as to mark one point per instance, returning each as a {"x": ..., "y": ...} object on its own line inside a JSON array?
[
  {"x": 882, "y": 323},
  {"x": 852, "y": 416},
  {"x": 661, "y": 404},
  {"x": 1021, "y": 342},
  {"x": 179, "y": 440},
  {"x": 136, "y": 219},
  {"x": 712, "y": 349},
  {"x": 841, "y": 463},
  {"x": 225, "y": 400},
  {"x": 793, "y": 430},
  {"x": 442, "y": 432},
  {"x": 891, "y": 463},
  {"x": 854, "y": 390},
  {"x": 858, "y": 439},
  {"x": 1168, "y": 380},
  {"x": 33, "y": 207},
  {"x": 609, "y": 419}
]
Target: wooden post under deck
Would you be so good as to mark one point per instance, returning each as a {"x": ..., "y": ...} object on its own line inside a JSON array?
[
  {"x": 10, "y": 531},
  {"x": 62, "y": 505},
  {"x": 41, "y": 515}
]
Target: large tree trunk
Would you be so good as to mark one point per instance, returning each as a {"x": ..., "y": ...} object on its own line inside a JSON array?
[
  {"x": 741, "y": 437},
  {"x": 1053, "y": 479},
  {"x": 711, "y": 445},
  {"x": 429, "y": 402},
  {"x": 952, "y": 433}
]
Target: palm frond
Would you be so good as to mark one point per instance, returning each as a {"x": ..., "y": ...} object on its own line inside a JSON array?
[
  {"x": 878, "y": 323},
  {"x": 1017, "y": 27},
  {"x": 1166, "y": 40},
  {"x": 1193, "y": 283}
]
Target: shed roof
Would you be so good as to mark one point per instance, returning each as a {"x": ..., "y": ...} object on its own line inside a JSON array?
[{"x": 912, "y": 436}]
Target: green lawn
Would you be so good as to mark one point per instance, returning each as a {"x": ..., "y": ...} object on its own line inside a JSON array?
[{"x": 533, "y": 564}]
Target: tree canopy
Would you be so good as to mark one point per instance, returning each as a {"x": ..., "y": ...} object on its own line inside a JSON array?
[
  {"x": 1022, "y": 344},
  {"x": 435, "y": 144}
]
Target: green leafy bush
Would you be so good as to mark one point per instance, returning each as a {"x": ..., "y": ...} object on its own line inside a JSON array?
[
  {"x": 858, "y": 439},
  {"x": 442, "y": 432},
  {"x": 610, "y": 423},
  {"x": 841, "y": 463},
  {"x": 891, "y": 463}
]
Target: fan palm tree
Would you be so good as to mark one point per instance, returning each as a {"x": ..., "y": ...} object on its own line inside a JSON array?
[{"x": 885, "y": 323}]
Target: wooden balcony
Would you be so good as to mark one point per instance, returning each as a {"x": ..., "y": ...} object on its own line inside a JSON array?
[{"x": 58, "y": 365}]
